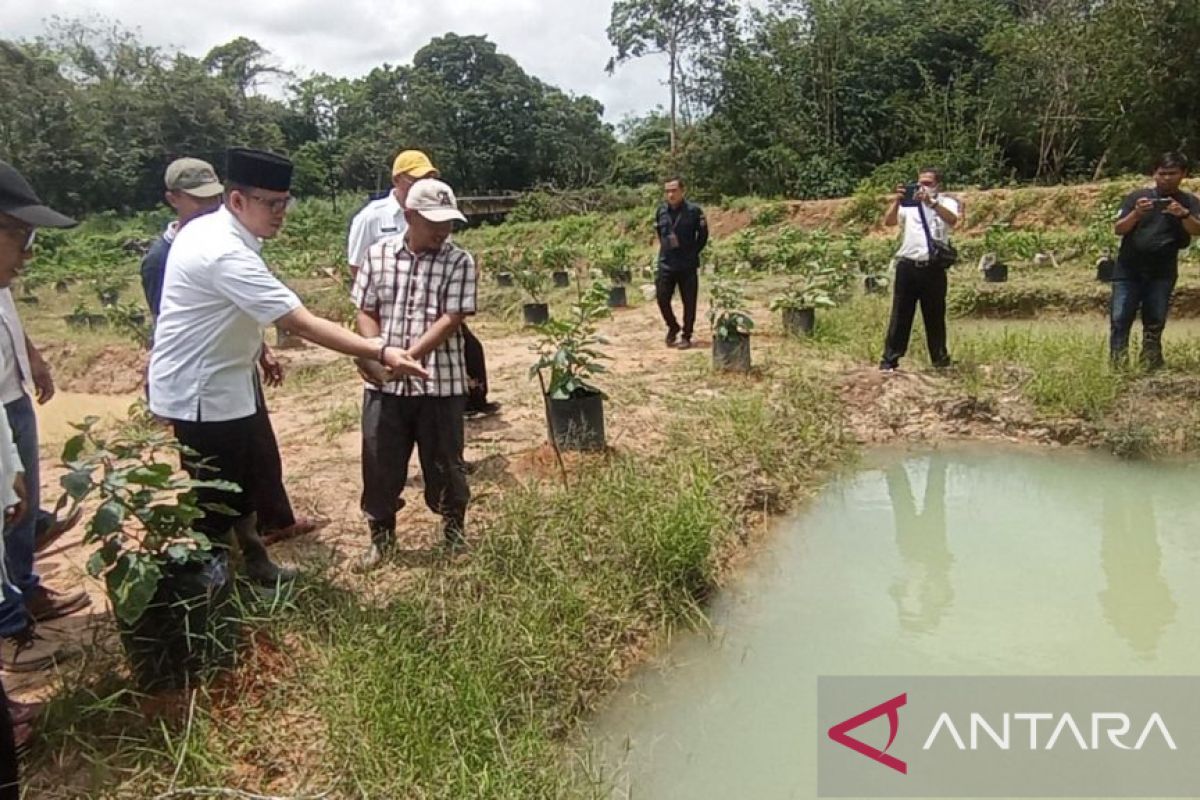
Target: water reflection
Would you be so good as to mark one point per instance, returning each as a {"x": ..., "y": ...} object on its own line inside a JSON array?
[
  {"x": 1136, "y": 599},
  {"x": 922, "y": 590},
  {"x": 959, "y": 562}
]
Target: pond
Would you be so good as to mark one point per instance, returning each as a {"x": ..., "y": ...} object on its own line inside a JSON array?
[{"x": 955, "y": 562}]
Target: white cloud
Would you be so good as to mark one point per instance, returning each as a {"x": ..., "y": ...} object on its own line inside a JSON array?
[{"x": 559, "y": 41}]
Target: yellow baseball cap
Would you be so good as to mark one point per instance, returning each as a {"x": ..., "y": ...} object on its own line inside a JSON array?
[{"x": 414, "y": 164}]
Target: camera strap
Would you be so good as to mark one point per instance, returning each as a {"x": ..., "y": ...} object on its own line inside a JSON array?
[{"x": 925, "y": 226}]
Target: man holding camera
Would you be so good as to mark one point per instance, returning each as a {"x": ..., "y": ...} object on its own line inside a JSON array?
[
  {"x": 927, "y": 217},
  {"x": 1154, "y": 225}
]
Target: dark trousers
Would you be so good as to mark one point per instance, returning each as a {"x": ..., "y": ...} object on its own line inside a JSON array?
[
  {"x": 1153, "y": 297},
  {"x": 391, "y": 427},
  {"x": 688, "y": 284},
  {"x": 224, "y": 451},
  {"x": 476, "y": 370},
  {"x": 9, "y": 771},
  {"x": 924, "y": 285},
  {"x": 270, "y": 497}
]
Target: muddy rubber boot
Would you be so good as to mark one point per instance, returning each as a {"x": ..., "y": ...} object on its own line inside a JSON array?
[
  {"x": 258, "y": 565},
  {"x": 383, "y": 542}
]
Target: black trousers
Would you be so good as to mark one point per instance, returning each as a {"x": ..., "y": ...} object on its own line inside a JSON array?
[
  {"x": 9, "y": 770},
  {"x": 391, "y": 427},
  {"x": 270, "y": 497},
  {"x": 225, "y": 451},
  {"x": 688, "y": 284},
  {"x": 924, "y": 285},
  {"x": 476, "y": 370}
]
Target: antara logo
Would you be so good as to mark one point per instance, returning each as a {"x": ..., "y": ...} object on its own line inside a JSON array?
[
  {"x": 1108, "y": 728},
  {"x": 838, "y": 733}
]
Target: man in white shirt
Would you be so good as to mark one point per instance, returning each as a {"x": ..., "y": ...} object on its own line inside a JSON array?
[
  {"x": 193, "y": 190},
  {"x": 218, "y": 296},
  {"x": 925, "y": 214},
  {"x": 26, "y": 601},
  {"x": 383, "y": 219}
]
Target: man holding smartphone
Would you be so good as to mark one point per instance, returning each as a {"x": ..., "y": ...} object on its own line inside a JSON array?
[{"x": 1154, "y": 224}]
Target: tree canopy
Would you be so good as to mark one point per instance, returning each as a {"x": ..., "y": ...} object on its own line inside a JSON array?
[{"x": 805, "y": 98}]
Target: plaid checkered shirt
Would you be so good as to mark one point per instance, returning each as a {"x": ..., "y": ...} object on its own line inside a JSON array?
[{"x": 409, "y": 292}]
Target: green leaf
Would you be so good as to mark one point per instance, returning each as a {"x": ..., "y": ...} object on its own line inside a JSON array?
[
  {"x": 156, "y": 475},
  {"x": 77, "y": 484},
  {"x": 73, "y": 448},
  {"x": 109, "y": 519},
  {"x": 131, "y": 584},
  {"x": 219, "y": 508},
  {"x": 178, "y": 552}
]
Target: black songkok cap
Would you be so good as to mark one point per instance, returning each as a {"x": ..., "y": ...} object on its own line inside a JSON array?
[{"x": 258, "y": 168}]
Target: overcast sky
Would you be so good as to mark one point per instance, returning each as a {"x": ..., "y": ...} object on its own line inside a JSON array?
[{"x": 562, "y": 42}]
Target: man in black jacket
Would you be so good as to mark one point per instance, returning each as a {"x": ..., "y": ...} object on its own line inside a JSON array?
[
  {"x": 682, "y": 234},
  {"x": 1154, "y": 224}
]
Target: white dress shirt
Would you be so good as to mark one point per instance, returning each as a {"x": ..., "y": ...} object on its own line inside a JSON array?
[
  {"x": 14, "y": 358},
  {"x": 379, "y": 219},
  {"x": 10, "y": 467},
  {"x": 218, "y": 296},
  {"x": 914, "y": 246}
]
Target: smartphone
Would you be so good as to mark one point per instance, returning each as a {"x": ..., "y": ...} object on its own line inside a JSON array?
[{"x": 910, "y": 194}]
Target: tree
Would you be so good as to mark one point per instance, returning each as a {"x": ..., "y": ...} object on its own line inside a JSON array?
[
  {"x": 241, "y": 62},
  {"x": 683, "y": 30}
]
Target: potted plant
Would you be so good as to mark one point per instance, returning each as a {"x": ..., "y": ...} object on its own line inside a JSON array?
[
  {"x": 877, "y": 280},
  {"x": 558, "y": 260},
  {"x": 567, "y": 359},
  {"x": 532, "y": 281},
  {"x": 731, "y": 324},
  {"x": 170, "y": 590},
  {"x": 614, "y": 264},
  {"x": 492, "y": 260},
  {"x": 802, "y": 298}
]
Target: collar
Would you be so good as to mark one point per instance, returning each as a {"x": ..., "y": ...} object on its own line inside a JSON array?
[
  {"x": 393, "y": 205},
  {"x": 404, "y": 250},
  {"x": 248, "y": 238}
]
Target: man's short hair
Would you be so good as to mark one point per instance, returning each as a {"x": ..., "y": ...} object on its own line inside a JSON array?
[
  {"x": 240, "y": 188},
  {"x": 935, "y": 171},
  {"x": 1171, "y": 160},
  {"x": 674, "y": 179}
]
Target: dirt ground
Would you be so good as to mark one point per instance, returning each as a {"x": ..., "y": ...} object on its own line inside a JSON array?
[{"x": 316, "y": 421}]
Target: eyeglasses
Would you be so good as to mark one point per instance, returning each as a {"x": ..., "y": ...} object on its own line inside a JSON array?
[
  {"x": 29, "y": 231},
  {"x": 277, "y": 205}
]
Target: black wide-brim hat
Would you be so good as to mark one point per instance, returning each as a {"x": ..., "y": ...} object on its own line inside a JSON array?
[
  {"x": 17, "y": 199},
  {"x": 258, "y": 168}
]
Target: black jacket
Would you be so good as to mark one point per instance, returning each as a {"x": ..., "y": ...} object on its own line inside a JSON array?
[{"x": 691, "y": 228}]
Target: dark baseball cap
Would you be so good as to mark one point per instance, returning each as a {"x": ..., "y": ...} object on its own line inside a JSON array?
[{"x": 17, "y": 199}]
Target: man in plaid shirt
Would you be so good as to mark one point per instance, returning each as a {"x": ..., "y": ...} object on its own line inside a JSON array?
[{"x": 415, "y": 291}]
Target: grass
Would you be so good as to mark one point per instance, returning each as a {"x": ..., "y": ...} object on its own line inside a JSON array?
[
  {"x": 470, "y": 682},
  {"x": 341, "y": 419}
]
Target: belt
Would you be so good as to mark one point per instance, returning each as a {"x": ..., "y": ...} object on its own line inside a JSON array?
[{"x": 912, "y": 263}]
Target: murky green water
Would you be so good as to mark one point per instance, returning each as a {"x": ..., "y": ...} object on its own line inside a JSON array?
[{"x": 961, "y": 562}]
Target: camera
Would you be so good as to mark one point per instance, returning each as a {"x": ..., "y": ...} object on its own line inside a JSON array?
[
  {"x": 910, "y": 194},
  {"x": 1161, "y": 203}
]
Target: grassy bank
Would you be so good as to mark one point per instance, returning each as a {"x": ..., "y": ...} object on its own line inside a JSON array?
[{"x": 468, "y": 681}]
